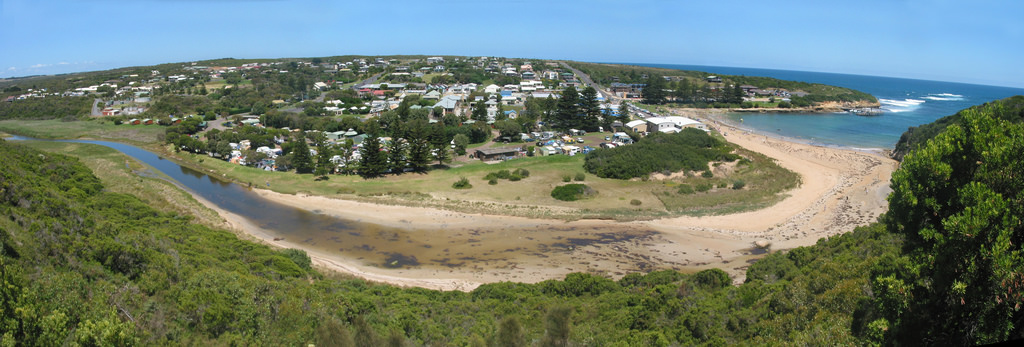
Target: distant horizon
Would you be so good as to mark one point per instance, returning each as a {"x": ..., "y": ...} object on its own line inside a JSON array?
[
  {"x": 13, "y": 78},
  {"x": 934, "y": 40}
]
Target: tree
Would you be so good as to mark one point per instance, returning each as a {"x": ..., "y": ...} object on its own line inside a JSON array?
[
  {"x": 957, "y": 202},
  {"x": 736, "y": 95},
  {"x": 508, "y": 128},
  {"x": 372, "y": 162},
  {"x": 624, "y": 112},
  {"x": 556, "y": 327},
  {"x": 301, "y": 158},
  {"x": 419, "y": 145},
  {"x": 590, "y": 108},
  {"x": 510, "y": 333},
  {"x": 654, "y": 91},
  {"x": 480, "y": 111},
  {"x": 567, "y": 111},
  {"x": 461, "y": 141},
  {"x": 396, "y": 156},
  {"x": 323, "y": 155}
]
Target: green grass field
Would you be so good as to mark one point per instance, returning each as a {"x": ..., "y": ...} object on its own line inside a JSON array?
[{"x": 99, "y": 129}]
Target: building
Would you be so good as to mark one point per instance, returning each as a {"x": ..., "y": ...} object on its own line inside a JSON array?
[
  {"x": 672, "y": 124},
  {"x": 638, "y": 126},
  {"x": 496, "y": 153}
]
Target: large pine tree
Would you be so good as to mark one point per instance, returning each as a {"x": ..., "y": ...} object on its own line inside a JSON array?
[
  {"x": 654, "y": 92},
  {"x": 567, "y": 111},
  {"x": 372, "y": 163},
  {"x": 301, "y": 158},
  {"x": 590, "y": 110}
]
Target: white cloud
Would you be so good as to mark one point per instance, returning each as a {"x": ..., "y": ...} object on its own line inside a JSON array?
[
  {"x": 36, "y": 66},
  {"x": 63, "y": 63},
  {"x": 12, "y": 69}
]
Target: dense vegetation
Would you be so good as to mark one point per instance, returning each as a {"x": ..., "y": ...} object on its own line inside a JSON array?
[
  {"x": 958, "y": 203},
  {"x": 70, "y": 108},
  {"x": 1010, "y": 109},
  {"x": 690, "y": 149}
]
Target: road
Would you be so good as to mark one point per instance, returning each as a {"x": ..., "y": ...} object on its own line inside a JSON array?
[
  {"x": 370, "y": 80},
  {"x": 96, "y": 111},
  {"x": 589, "y": 82}
]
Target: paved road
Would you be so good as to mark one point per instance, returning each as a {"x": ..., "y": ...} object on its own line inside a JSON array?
[
  {"x": 96, "y": 111},
  {"x": 589, "y": 82},
  {"x": 372, "y": 79}
]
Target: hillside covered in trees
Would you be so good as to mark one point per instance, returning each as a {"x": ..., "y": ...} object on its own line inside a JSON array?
[
  {"x": 82, "y": 265},
  {"x": 1010, "y": 109}
]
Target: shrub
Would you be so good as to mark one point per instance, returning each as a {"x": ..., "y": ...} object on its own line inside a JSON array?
[
  {"x": 572, "y": 192},
  {"x": 492, "y": 181},
  {"x": 738, "y": 184},
  {"x": 566, "y": 178},
  {"x": 703, "y": 187},
  {"x": 462, "y": 183},
  {"x": 580, "y": 177},
  {"x": 707, "y": 174},
  {"x": 723, "y": 185},
  {"x": 524, "y": 173},
  {"x": 635, "y": 202},
  {"x": 685, "y": 189}
]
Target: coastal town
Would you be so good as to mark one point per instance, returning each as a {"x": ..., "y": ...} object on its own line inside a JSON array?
[{"x": 510, "y": 104}]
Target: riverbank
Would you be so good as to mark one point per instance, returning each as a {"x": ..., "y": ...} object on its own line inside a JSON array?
[{"x": 840, "y": 190}]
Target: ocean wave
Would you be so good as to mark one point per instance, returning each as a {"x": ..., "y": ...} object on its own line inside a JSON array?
[
  {"x": 900, "y": 105},
  {"x": 944, "y": 97}
]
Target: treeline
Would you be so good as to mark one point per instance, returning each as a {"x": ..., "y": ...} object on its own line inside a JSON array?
[
  {"x": 690, "y": 149},
  {"x": 692, "y": 87},
  {"x": 50, "y": 107},
  {"x": 1010, "y": 109}
]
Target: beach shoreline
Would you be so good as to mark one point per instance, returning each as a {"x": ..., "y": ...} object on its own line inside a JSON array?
[{"x": 840, "y": 189}]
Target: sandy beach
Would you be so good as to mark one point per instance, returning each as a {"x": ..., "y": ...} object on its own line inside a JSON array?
[{"x": 840, "y": 189}]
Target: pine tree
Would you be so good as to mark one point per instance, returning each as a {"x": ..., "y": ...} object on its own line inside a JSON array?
[
  {"x": 324, "y": 153},
  {"x": 372, "y": 164},
  {"x": 590, "y": 109},
  {"x": 480, "y": 111},
  {"x": 301, "y": 158},
  {"x": 439, "y": 142},
  {"x": 567, "y": 110},
  {"x": 396, "y": 156},
  {"x": 654, "y": 92}
]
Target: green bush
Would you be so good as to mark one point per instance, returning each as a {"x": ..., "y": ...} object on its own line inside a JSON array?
[
  {"x": 635, "y": 202},
  {"x": 685, "y": 189},
  {"x": 492, "y": 181},
  {"x": 572, "y": 192},
  {"x": 738, "y": 184},
  {"x": 462, "y": 183},
  {"x": 703, "y": 187},
  {"x": 580, "y": 177},
  {"x": 690, "y": 149},
  {"x": 566, "y": 178},
  {"x": 707, "y": 174}
]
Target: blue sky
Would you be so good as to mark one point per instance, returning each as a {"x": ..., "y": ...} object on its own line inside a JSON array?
[{"x": 963, "y": 41}]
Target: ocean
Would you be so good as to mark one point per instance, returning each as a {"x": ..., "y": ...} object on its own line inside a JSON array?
[{"x": 907, "y": 103}]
